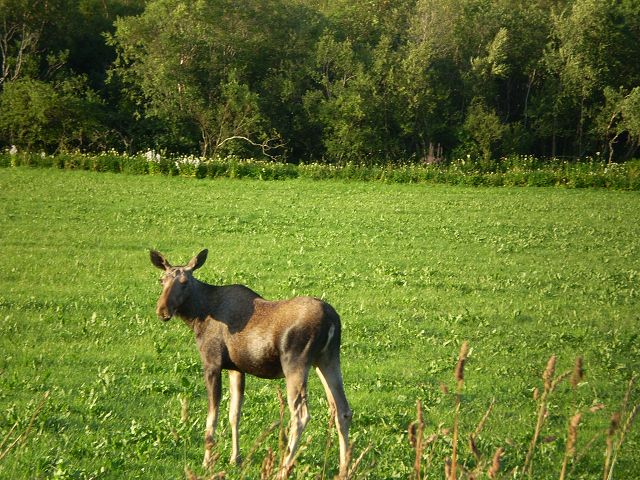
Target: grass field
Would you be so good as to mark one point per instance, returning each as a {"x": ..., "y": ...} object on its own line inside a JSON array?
[{"x": 414, "y": 270}]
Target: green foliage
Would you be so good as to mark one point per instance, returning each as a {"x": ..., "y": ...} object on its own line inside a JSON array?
[
  {"x": 186, "y": 63},
  {"x": 371, "y": 82},
  {"x": 39, "y": 115},
  {"x": 484, "y": 128},
  {"x": 620, "y": 118}
]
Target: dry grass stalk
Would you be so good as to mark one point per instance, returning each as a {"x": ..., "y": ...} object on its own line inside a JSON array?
[
  {"x": 542, "y": 412},
  {"x": 549, "y": 372},
  {"x": 480, "y": 425},
  {"x": 578, "y": 373},
  {"x": 329, "y": 441},
  {"x": 630, "y": 419},
  {"x": 419, "y": 443},
  {"x": 480, "y": 463},
  {"x": 462, "y": 358},
  {"x": 7, "y": 436},
  {"x": 560, "y": 378},
  {"x": 353, "y": 467},
  {"x": 614, "y": 430},
  {"x": 495, "y": 463},
  {"x": 622, "y": 434},
  {"x": 547, "y": 378},
  {"x": 416, "y": 434},
  {"x": 573, "y": 434},
  {"x": 459, "y": 374},
  {"x": 257, "y": 444},
  {"x": 474, "y": 448},
  {"x": 627, "y": 394},
  {"x": 189, "y": 474},
  {"x": 587, "y": 448},
  {"x": 23, "y": 436},
  {"x": 447, "y": 468},
  {"x": 268, "y": 464},
  {"x": 282, "y": 436},
  {"x": 611, "y": 433},
  {"x": 572, "y": 438}
]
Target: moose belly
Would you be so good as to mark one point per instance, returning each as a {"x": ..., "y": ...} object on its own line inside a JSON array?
[{"x": 257, "y": 357}]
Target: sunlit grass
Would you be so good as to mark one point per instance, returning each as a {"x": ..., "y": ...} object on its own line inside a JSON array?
[{"x": 414, "y": 270}]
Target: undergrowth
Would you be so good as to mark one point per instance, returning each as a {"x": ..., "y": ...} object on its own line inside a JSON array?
[{"x": 509, "y": 171}]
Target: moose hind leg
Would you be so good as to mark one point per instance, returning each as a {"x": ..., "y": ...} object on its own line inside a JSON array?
[
  {"x": 297, "y": 400},
  {"x": 236, "y": 386},
  {"x": 331, "y": 378}
]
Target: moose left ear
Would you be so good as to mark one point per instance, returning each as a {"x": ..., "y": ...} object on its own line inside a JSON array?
[
  {"x": 158, "y": 260},
  {"x": 197, "y": 261}
]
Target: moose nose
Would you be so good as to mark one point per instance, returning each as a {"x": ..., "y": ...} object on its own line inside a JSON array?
[{"x": 163, "y": 312}]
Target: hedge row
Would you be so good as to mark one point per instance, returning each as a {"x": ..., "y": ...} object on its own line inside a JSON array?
[{"x": 512, "y": 171}]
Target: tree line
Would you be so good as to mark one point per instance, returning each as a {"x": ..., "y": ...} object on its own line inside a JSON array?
[{"x": 367, "y": 81}]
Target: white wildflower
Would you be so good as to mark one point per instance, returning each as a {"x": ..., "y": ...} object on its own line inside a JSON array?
[{"x": 152, "y": 156}]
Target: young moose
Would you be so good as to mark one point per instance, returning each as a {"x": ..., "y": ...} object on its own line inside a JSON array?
[{"x": 237, "y": 330}]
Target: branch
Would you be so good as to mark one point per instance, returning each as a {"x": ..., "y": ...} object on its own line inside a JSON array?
[
  {"x": 265, "y": 146},
  {"x": 24, "y": 434},
  {"x": 28, "y": 40}
]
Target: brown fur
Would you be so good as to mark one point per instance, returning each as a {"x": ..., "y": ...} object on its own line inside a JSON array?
[{"x": 239, "y": 331}]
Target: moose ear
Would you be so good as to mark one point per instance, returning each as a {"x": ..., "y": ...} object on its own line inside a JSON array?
[
  {"x": 197, "y": 261},
  {"x": 158, "y": 260}
]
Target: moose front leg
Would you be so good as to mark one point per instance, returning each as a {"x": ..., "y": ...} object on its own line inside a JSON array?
[
  {"x": 236, "y": 387},
  {"x": 213, "y": 381}
]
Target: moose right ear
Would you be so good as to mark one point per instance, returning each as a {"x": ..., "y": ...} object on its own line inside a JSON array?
[
  {"x": 158, "y": 260},
  {"x": 197, "y": 261}
]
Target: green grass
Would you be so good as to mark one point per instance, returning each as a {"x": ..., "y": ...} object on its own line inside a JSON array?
[{"x": 521, "y": 273}]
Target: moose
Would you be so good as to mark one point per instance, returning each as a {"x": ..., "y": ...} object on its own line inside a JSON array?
[{"x": 239, "y": 331}]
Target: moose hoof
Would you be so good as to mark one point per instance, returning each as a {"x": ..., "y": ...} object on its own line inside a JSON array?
[{"x": 236, "y": 460}]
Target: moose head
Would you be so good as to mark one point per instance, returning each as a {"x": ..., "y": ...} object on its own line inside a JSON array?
[{"x": 176, "y": 282}]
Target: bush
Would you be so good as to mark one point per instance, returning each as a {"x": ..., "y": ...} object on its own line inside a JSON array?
[
  {"x": 135, "y": 165},
  {"x": 514, "y": 171}
]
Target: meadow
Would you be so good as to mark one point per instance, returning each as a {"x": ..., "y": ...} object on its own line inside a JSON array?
[{"x": 414, "y": 270}]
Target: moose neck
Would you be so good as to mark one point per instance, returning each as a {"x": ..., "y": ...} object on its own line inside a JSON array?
[{"x": 199, "y": 304}]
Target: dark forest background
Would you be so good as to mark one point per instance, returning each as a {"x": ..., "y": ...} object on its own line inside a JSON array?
[{"x": 334, "y": 81}]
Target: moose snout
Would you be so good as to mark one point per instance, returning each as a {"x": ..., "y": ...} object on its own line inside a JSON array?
[{"x": 163, "y": 312}]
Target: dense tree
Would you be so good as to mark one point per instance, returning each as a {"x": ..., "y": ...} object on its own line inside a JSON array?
[
  {"x": 53, "y": 61},
  {"x": 204, "y": 64},
  {"x": 620, "y": 120},
  {"x": 370, "y": 81},
  {"x": 37, "y": 114}
]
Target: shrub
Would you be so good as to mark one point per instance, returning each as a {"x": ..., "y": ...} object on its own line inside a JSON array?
[
  {"x": 135, "y": 165},
  {"x": 514, "y": 171}
]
